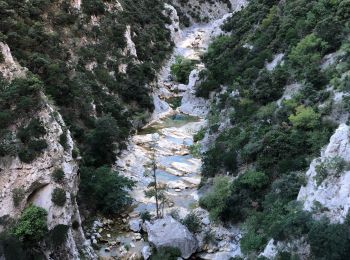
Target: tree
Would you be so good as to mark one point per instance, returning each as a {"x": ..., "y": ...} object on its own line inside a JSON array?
[
  {"x": 154, "y": 189},
  {"x": 181, "y": 69},
  {"x": 32, "y": 225},
  {"x": 105, "y": 190},
  {"x": 304, "y": 117}
]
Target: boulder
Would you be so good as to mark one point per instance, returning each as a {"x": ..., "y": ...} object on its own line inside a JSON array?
[
  {"x": 135, "y": 225},
  {"x": 170, "y": 232},
  {"x": 146, "y": 252}
]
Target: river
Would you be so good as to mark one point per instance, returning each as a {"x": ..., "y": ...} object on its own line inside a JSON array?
[{"x": 173, "y": 128}]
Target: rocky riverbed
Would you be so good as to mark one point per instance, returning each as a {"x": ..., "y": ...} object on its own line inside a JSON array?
[{"x": 177, "y": 169}]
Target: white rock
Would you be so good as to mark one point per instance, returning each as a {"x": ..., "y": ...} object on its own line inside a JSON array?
[
  {"x": 170, "y": 232},
  {"x": 135, "y": 225},
  {"x": 146, "y": 252}
]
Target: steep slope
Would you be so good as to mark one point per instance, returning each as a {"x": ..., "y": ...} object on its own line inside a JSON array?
[{"x": 280, "y": 79}]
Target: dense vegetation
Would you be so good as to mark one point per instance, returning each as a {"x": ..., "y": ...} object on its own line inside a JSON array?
[
  {"x": 78, "y": 58},
  {"x": 270, "y": 144}
]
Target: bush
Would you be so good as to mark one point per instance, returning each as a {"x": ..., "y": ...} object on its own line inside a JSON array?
[
  {"x": 93, "y": 7},
  {"x": 192, "y": 222},
  {"x": 17, "y": 196},
  {"x": 330, "y": 167},
  {"x": 59, "y": 197},
  {"x": 58, "y": 175},
  {"x": 305, "y": 117},
  {"x": 181, "y": 69},
  {"x": 169, "y": 253},
  {"x": 58, "y": 235},
  {"x": 105, "y": 190},
  {"x": 329, "y": 241},
  {"x": 253, "y": 180},
  {"x": 145, "y": 216},
  {"x": 32, "y": 226},
  {"x": 214, "y": 201}
]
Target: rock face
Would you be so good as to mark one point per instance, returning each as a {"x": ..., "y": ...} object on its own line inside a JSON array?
[
  {"x": 197, "y": 11},
  {"x": 170, "y": 232},
  {"x": 191, "y": 104},
  {"x": 333, "y": 193}
]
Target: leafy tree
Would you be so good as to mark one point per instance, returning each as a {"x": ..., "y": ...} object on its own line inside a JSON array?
[
  {"x": 105, "y": 190},
  {"x": 169, "y": 253},
  {"x": 31, "y": 226},
  {"x": 59, "y": 197},
  {"x": 305, "y": 117},
  {"x": 214, "y": 201},
  {"x": 181, "y": 69}
]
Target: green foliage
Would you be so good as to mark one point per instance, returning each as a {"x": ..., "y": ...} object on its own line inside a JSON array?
[
  {"x": 181, "y": 69},
  {"x": 64, "y": 140},
  {"x": 304, "y": 117},
  {"x": 145, "y": 216},
  {"x": 58, "y": 175},
  {"x": 192, "y": 222},
  {"x": 214, "y": 201},
  {"x": 58, "y": 235},
  {"x": 31, "y": 226},
  {"x": 253, "y": 180},
  {"x": 58, "y": 197},
  {"x": 18, "y": 195},
  {"x": 105, "y": 190},
  {"x": 93, "y": 7},
  {"x": 169, "y": 253},
  {"x": 199, "y": 135},
  {"x": 329, "y": 241},
  {"x": 330, "y": 167}
]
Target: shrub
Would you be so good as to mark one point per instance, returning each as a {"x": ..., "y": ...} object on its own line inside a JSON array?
[
  {"x": 181, "y": 69},
  {"x": 105, "y": 190},
  {"x": 252, "y": 242},
  {"x": 199, "y": 135},
  {"x": 305, "y": 117},
  {"x": 192, "y": 222},
  {"x": 32, "y": 226},
  {"x": 214, "y": 201},
  {"x": 93, "y": 7},
  {"x": 58, "y": 175},
  {"x": 64, "y": 140},
  {"x": 17, "y": 196},
  {"x": 330, "y": 167},
  {"x": 59, "y": 197},
  {"x": 58, "y": 235},
  {"x": 145, "y": 216},
  {"x": 253, "y": 180},
  {"x": 329, "y": 241},
  {"x": 169, "y": 253}
]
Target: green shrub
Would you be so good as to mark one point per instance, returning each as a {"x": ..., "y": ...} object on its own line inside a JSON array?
[
  {"x": 105, "y": 190},
  {"x": 145, "y": 216},
  {"x": 251, "y": 242},
  {"x": 18, "y": 195},
  {"x": 329, "y": 241},
  {"x": 31, "y": 226},
  {"x": 93, "y": 7},
  {"x": 199, "y": 135},
  {"x": 192, "y": 222},
  {"x": 58, "y": 197},
  {"x": 181, "y": 69},
  {"x": 305, "y": 117},
  {"x": 58, "y": 235},
  {"x": 214, "y": 201},
  {"x": 330, "y": 167},
  {"x": 64, "y": 140},
  {"x": 58, "y": 175},
  {"x": 253, "y": 179},
  {"x": 169, "y": 253}
]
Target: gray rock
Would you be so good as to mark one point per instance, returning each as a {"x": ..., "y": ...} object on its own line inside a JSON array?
[
  {"x": 135, "y": 225},
  {"x": 170, "y": 232},
  {"x": 146, "y": 252}
]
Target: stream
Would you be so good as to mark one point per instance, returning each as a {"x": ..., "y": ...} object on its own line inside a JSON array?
[{"x": 174, "y": 129}]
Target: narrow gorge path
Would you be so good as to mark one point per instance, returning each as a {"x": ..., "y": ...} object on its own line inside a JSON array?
[{"x": 173, "y": 128}]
